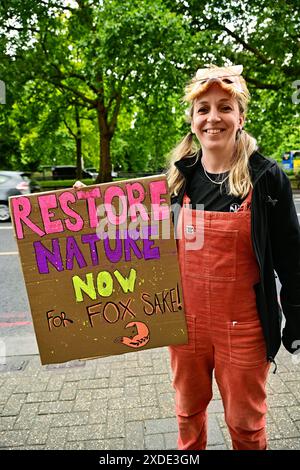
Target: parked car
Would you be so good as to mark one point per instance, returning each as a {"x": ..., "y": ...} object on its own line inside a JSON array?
[
  {"x": 14, "y": 183},
  {"x": 95, "y": 172},
  {"x": 68, "y": 172}
]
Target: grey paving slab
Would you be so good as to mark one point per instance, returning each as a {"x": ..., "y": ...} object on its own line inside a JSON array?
[
  {"x": 142, "y": 413},
  {"x": 14, "y": 404},
  {"x": 134, "y": 435},
  {"x": 13, "y": 438},
  {"x": 214, "y": 435},
  {"x": 170, "y": 440},
  {"x": 115, "y": 424},
  {"x": 7, "y": 423},
  {"x": 36, "y": 397},
  {"x": 86, "y": 432},
  {"x": 70, "y": 419},
  {"x": 157, "y": 426},
  {"x": 284, "y": 444},
  {"x": 154, "y": 442}
]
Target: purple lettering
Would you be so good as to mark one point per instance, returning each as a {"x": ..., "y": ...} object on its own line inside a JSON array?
[
  {"x": 44, "y": 256},
  {"x": 73, "y": 251},
  {"x": 149, "y": 251},
  {"x": 92, "y": 239},
  {"x": 114, "y": 255},
  {"x": 130, "y": 243}
]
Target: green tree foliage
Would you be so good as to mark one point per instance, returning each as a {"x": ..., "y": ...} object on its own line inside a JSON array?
[
  {"x": 123, "y": 66},
  {"x": 101, "y": 54},
  {"x": 263, "y": 35}
]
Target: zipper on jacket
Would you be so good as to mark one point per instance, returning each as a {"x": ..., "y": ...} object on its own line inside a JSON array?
[
  {"x": 255, "y": 248},
  {"x": 257, "y": 255}
]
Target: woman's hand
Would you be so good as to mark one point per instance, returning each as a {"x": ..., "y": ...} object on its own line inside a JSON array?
[{"x": 78, "y": 185}]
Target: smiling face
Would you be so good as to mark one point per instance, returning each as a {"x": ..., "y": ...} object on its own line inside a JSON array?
[{"x": 216, "y": 119}]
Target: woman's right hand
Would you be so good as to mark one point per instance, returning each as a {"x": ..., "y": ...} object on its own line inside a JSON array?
[{"x": 78, "y": 185}]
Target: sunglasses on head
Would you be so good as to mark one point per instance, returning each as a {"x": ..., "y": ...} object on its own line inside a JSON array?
[
  {"x": 231, "y": 78},
  {"x": 226, "y": 79}
]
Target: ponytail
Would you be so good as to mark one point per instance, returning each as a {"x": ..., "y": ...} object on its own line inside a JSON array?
[{"x": 185, "y": 149}]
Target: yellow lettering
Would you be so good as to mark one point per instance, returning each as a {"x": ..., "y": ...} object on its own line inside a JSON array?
[
  {"x": 82, "y": 286},
  {"x": 127, "y": 283},
  {"x": 104, "y": 284}
]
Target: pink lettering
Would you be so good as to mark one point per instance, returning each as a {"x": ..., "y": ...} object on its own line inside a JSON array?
[
  {"x": 110, "y": 193},
  {"x": 157, "y": 189},
  {"x": 135, "y": 201},
  {"x": 46, "y": 203},
  {"x": 64, "y": 200},
  {"x": 21, "y": 208},
  {"x": 90, "y": 196}
]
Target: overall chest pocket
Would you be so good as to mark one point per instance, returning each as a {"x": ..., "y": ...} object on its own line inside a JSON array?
[{"x": 216, "y": 259}]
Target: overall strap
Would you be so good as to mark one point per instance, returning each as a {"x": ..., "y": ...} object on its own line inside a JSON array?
[{"x": 246, "y": 204}]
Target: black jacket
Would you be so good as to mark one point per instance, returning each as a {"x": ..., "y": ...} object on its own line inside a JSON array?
[{"x": 275, "y": 235}]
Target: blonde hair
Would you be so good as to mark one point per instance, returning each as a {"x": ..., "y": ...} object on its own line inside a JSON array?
[{"x": 239, "y": 180}]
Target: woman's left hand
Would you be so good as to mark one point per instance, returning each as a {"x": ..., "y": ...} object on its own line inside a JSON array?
[{"x": 78, "y": 185}]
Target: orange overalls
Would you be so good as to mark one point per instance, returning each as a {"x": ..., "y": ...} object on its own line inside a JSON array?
[{"x": 225, "y": 333}]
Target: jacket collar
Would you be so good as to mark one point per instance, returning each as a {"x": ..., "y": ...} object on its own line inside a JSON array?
[{"x": 258, "y": 164}]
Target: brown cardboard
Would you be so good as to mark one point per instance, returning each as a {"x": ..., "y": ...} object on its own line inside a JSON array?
[{"x": 100, "y": 297}]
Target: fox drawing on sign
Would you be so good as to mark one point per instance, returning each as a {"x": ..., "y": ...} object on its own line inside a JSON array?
[{"x": 138, "y": 335}]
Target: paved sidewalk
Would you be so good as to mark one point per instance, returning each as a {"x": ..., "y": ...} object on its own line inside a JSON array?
[{"x": 122, "y": 402}]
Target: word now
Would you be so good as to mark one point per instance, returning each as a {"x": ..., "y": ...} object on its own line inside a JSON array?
[
  {"x": 50, "y": 206},
  {"x": 104, "y": 284}
]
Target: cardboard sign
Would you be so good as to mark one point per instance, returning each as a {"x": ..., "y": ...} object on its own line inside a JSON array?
[{"x": 100, "y": 268}]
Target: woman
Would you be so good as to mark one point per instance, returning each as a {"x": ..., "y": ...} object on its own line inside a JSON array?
[{"x": 250, "y": 228}]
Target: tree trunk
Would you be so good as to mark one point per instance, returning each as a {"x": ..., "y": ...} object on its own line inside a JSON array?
[
  {"x": 105, "y": 167},
  {"x": 78, "y": 140}
]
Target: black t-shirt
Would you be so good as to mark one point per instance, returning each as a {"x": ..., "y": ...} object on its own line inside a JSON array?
[{"x": 213, "y": 196}]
